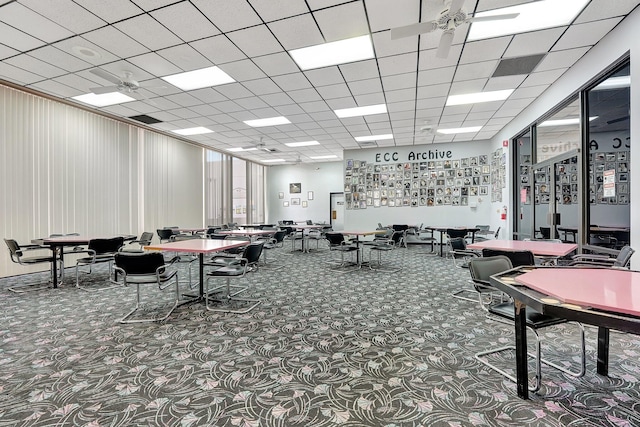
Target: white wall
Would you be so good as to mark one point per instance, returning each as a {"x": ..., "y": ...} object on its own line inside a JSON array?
[
  {"x": 624, "y": 38},
  {"x": 321, "y": 178},
  {"x": 367, "y": 219}
]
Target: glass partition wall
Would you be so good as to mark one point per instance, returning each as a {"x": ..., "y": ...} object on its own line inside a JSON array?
[{"x": 573, "y": 172}]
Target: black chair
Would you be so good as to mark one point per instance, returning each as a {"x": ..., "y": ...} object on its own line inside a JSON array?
[
  {"x": 271, "y": 243},
  {"x": 385, "y": 246},
  {"x": 337, "y": 243},
  {"x": 237, "y": 268},
  {"x": 99, "y": 251},
  {"x": 517, "y": 258},
  {"x": 457, "y": 249},
  {"x": 622, "y": 260},
  {"x": 146, "y": 269},
  {"x": 481, "y": 269},
  {"x": 165, "y": 234},
  {"x": 138, "y": 244},
  {"x": 18, "y": 255}
]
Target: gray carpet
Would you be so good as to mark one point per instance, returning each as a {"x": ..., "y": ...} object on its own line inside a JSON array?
[{"x": 323, "y": 349}]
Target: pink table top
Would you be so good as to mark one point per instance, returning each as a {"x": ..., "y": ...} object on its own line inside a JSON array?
[
  {"x": 538, "y": 248},
  {"x": 606, "y": 289},
  {"x": 197, "y": 245}
]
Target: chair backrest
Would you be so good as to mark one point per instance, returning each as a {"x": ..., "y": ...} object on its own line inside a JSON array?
[
  {"x": 252, "y": 252},
  {"x": 396, "y": 237},
  {"x": 279, "y": 235},
  {"x": 623, "y": 258},
  {"x": 164, "y": 233},
  {"x": 106, "y": 246},
  {"x": 14, "y": 249},
  {"x": 481, "y": 228},
  {"x": 287, "y": 222},
  {"x": 399, "y": 227},
  {"x": 309, "y": 222},
  {"x": 145, "y": 238},
  {"x": 545, "y": 232},
  {"x": 458, "y": 244},
  {"x": 456, "y": 232},
  {"x": 217, "y": 236},
  {"x": 334, "y": 239},
  {"x": 139, "y": 263},
  {"x": 483, "y": 268},
  {"x": 517, "y": 258}
]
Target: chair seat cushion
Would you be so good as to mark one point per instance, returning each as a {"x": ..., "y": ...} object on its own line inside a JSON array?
[
  {"x": 149, "y": 278},
  {"x": 227, "y": 271},
  {"x": 36, "y": 259},
  {"x": 98, "y": 258},
  {"x": 535, "y": 319}
]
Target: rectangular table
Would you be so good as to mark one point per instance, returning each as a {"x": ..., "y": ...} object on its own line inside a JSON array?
[
  {"x": 56, "y": 244},
  {"x": 606, "y": 298},
  {"x": 200, "y": 247},
  {"x": 443, "y": 231},
  {"x": 549, "y": 249},
  {"x": 358, "y": 241}
]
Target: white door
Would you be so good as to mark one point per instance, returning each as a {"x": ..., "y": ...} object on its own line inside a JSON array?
[{"x": 337, "y": 211}]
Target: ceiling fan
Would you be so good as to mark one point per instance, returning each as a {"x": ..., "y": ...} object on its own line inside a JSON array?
[
  {"x": 448, "y": 20},
  {"x": 125, "y": 84},
  {"x": 258, "y": 146}
]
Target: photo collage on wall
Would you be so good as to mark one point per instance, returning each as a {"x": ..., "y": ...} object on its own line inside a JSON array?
[
  {"x": 498, "y": 174},
  {"x": 448, "y": 182},
  {"x": 601, "y": 162}
]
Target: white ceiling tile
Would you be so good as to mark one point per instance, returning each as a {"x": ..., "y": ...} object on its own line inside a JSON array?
[
  {"x": 436, "y": 76},
  {"x": 400, "y": 95},
  {"x": 483, "y": 50},
  {"x": 66, "y": 13},
  {"x": 370, "y": 99},
  {"x": 228, "y": 15},
  {"x": 149, "y": 32},
  {"x": 475, "y": 70},
  {"x": 293, "y": 81},
  {"x": 395, "y": 107},
  {"x": 431, "y": 103},
  {"x": 596, "y": 10},
  {"x": 384, "y": 46},
  {"x": 543, "y": 78},
  {"x": 111, "y": 11},
  {"x": 398, "y": 64},
  {"x": 271, "y": 10},
  {"x": 533, "y": 42},
  {"x": 384, "y": 14},
  {"x": 399, "y": 81},
  {"x": 261, "y": 86},
  {"x": 585, "y": 34},
  {"x": 6, "y": 51},
  {"x": 18, "y": 39},
  {"x": 304, "y": 95},
  {"x": 61, "y": 59},
  {"x": 155, "y": 64},
  {"x": 185, "y": 21},
  {"x": 342, "y": 22},
  {"x": 228, "y": 106},
  {"x": 277, "y": 99},
  {"x": 457, "y": 110},
  {"x": 321, "y": 4},
  {"x": 255, "y": 41},
  {"x": 313, "y": 107},
  {"x": 360, "y": 70},
  {"x": 299, "y": 31},
  {"x": 27, "y": 62},
  {"x": 324, "y": 76},
  {"x": 77, "y": 82},
  {"x": 186, "y": 57},
  {"x": 361, "y": 87},
  {"x": 467, "y": 86},
  {"x": 55, "y": 88},
  {"x": 486, "y": 106},
  {"x": 505, "y": 82},
  {"x": 339, "y": 103},
  {"x": 434, "y": 90},
  {"x": 32, "y": 23},
  {"x": 115, "y": 42},
  {"x": 528, "y": 92},
  {"x": 208, "y": 95},
  {"x": 483, "y": 115},
  {"x": 234, "y": 91},
  {"x": 218, "y": 49},
  {"x": 561, "y": 59},
  {"x": 276, "y": 64},
  {"x": 242, "y": 70},
  {"x": 427, "y": 59},
  {"x": 152, "y": 4},
  {"x": 252, "y": 103}
]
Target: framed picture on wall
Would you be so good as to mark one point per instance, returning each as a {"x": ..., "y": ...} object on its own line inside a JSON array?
[
  {"x": 310, "y": 195},
  {"x": 295, "y": 187},
  {"x": 281, "y": 195},
  {"x": 285, "y": 204},
  {"x": 295, "y": 201},
  {"x": 304, "y": 204}
]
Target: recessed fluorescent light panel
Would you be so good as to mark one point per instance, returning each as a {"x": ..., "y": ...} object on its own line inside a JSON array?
[
  {"x": 535, "y": 15},
  {"x": 333, "y": 53},
  {"x": 563, "y": 122},
  {"x": 361, "y": 111},
  {"x": 271, "y": 121},
  {"x": 474, "y": 98},
  {"x": 103, "y": 100},
  {"x": 301, "y": 143},
  {"x": 374, "y": 137},
  {"x": 329, "y": 156},
  {"x": 192, "y": 131},
  {"x": 450, "y": 131},
  {"x": 273, "y": 160},
  {"x": 235, "y": 149},
  {"x": 196, "y": 79}
]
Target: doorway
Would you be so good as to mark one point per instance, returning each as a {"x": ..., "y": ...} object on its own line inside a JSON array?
[{"x": 336, "y": 211}]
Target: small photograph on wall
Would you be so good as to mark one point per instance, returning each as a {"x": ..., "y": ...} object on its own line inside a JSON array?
[
  {"x": 295, "y": 202},
  {"x": 281, "y": 195},
  {"x": 295, "y": 187}
]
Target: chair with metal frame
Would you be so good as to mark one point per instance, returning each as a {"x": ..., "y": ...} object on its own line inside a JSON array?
[
  {"x": 338, "y": 243},
  {"x": 164, "y": 234},
  {"x": 18, "y": 255},
  {"x": 385, "y": 246},
  {"x": 457, "y": 247},
  {"x": 64, "y": 252},
  {"x": 271, "y": 243},
  {"x": 138, "y": 244},
  {"x": 238, "y": 269},
  {"x": 146, "y": 268},
  {"x": 622, "y": 260},
  {"x": 99, "y": 251},
  {"x": 481, "y": 269}
]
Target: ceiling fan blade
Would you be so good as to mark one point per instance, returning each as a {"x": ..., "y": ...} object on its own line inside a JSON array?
[
  {"x": 456, "y": 5},
  {"x": 493, "y": 17},
  {"x": 413, "y": 29},
  {"x": 445, "y": 45},
  {"x": 106, "y": 75},
  {"x": 104, "y": 89}
]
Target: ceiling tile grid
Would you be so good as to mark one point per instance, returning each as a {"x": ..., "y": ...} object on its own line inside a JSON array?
[{"x": 52, "y": 47}]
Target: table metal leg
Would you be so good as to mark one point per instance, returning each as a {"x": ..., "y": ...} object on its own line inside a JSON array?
[
  {"x": 54, "y": 269},
  {"x": 603, "y": 351},
  {"x": 522, "y": 374}
]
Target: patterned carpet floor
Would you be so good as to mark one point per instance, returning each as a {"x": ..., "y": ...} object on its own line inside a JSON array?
[{"x": 366, "y": 348}]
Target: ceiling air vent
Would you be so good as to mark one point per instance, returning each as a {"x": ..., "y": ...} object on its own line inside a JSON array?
[
  {"x": 517, "y": 66},
  {"x": 145, "y": 119}
]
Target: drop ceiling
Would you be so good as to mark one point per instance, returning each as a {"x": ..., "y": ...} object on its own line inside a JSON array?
[{"x": 51, "y": 46}]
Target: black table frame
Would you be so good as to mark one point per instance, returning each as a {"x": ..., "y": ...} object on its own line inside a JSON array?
[{"x": 525, "y": 297}]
